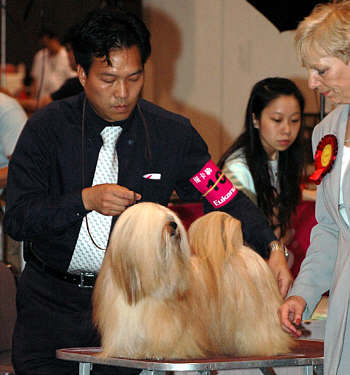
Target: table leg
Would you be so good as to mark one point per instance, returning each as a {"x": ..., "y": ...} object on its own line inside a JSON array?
[
  {"x": 85, "y": 368},
  {"x": 314, "y": 369}
]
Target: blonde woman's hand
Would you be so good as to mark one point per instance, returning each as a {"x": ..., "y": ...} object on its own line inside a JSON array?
[{"x": 290, "y": 314}]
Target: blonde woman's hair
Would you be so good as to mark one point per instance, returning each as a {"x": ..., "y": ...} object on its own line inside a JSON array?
[{"x": 325, "y": 32}]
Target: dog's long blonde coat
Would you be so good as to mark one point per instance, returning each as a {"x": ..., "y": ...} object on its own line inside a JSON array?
[
  {"x": 247, "y": 293},
  {"x": 143, "y": 303}
]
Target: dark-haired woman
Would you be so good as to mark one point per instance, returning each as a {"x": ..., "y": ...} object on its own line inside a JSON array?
[{"x": 266, "y": 161}]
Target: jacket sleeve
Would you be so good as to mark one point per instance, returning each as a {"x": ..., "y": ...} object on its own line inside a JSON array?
[
  {"x": 33, "y": 210},
  {"x": 317, "y": 268},
  {"x": 256, "y": 230}
]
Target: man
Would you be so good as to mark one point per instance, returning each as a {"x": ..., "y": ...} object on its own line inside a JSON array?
[
  {"x": 54, "y": 196},
  {"x": 51, "y": 65}
]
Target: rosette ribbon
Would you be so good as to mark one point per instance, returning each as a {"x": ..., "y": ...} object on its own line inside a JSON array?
[{"x": 325, "y": 156}]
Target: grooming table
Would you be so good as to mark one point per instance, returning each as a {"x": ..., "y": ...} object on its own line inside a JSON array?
[{"x": 308, "y": 353}]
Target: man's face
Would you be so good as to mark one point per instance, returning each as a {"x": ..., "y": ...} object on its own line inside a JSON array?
[{"x": 113, "y": 91}]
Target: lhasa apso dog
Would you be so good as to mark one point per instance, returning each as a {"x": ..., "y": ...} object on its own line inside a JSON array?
[
  {"x": 143, "y": 301},
  {"x": 246, "y": 292},
  {"x": 154, "y": 299}
]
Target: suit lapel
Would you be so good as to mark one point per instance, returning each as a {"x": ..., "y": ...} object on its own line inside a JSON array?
[
  {"x": 334, "y": 182},
  {"x": 336, "y": 126}
]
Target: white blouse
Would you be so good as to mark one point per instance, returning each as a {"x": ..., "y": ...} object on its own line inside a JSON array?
[{"x": 344, "y": 165}]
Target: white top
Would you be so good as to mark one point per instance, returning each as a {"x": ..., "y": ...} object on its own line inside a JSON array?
[
  {"x": 12, "y": 120},
  {"x": 237, "y": 171},
  {"x": 52, "y": 71},
  {"x": 344, "y": 165}
]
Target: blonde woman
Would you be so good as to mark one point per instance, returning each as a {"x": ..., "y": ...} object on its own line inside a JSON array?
[{"x": 323, "y": 45}]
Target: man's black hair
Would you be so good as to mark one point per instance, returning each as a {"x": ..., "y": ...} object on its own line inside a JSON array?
[{"x": 106, "y": 29}]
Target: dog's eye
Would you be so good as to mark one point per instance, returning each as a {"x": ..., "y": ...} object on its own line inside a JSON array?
[{"x": 169, "y": 229}]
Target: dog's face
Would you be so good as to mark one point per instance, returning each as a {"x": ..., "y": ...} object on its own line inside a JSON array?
[{"x": 149, "y": 253}]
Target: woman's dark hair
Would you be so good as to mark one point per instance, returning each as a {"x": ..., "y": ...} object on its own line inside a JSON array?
[
  {"x": 106, "y": 29},
  {"x": 290, "y": 161}
]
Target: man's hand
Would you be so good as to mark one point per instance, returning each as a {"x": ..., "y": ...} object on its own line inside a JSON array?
[
  {"x": 109, "y": 199},
  {"x": 290, "y": 314},
  {"x": 279, "y": 266}
]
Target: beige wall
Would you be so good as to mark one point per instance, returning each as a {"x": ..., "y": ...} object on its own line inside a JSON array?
[{"x": 206, "y": 55}]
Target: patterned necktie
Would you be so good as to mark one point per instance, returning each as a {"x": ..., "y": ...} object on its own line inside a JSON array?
[{"x": 86, "y": 256}]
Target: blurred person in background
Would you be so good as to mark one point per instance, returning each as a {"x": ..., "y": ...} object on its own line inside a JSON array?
[
  {"x": 51, "y": 66},
  {"x": 70, "y": 87}
]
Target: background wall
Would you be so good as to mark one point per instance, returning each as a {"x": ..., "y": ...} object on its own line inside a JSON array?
[
  {"x": 206, "y": 56},
  {"x": 25, "y": 19}
]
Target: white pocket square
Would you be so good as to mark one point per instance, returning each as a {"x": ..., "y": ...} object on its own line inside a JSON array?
[{"x": 152, "y": 176}]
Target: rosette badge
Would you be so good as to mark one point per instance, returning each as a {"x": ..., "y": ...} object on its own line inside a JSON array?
[{"x": 325, "y": 156}]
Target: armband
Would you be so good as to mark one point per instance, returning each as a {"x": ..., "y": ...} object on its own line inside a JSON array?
[{"x": 214, "y": 185}]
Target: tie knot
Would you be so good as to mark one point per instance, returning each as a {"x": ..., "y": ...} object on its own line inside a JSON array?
[{"x": 110, "y": 135}]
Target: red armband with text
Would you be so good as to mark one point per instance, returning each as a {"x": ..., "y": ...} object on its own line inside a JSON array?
[{"x": 214, "y": 185}]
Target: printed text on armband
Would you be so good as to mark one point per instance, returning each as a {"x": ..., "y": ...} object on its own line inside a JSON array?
[{"x": 218, "y": 202}]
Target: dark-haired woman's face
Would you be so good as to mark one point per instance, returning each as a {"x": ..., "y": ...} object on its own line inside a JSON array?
[
  {"x": 279, "y": 124},
  {"x": 113, "y": 91}
]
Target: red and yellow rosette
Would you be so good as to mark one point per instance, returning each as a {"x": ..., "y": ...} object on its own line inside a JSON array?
[{"x": 325, "y": 156}]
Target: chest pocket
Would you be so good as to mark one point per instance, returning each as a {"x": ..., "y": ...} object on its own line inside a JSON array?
[{"x": 156, "y": 187}]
